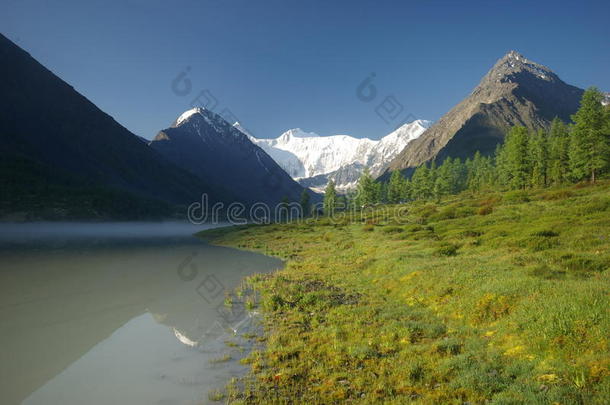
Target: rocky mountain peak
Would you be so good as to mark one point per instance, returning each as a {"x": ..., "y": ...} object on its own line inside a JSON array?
[
  {"x": 515, "y": 91},
  {"x": 512, "y": 64}
]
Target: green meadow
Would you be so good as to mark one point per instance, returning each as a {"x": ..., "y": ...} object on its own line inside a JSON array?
[{"x": 494, "y": 298}]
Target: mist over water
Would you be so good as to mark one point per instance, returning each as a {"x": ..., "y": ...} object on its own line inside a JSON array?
[
  {"x": 45, "y": 232},
  {"x": 117, "y": 313}
]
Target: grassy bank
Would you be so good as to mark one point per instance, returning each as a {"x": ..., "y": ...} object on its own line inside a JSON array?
[{"x": 498, "y": 298}]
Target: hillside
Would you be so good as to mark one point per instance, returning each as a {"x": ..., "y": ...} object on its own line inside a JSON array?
[
  {"x": 482, "y": 298},
  {"x": 59, "y": 151}
]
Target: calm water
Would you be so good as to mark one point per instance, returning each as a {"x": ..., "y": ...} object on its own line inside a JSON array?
[{"x": 117, "y": 313}]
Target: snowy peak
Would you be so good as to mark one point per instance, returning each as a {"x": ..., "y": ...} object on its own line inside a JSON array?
[
  {"x": 221, "y": 154},
  {"x": 307, "y": 155},
  {"x": 185, "y": 116}
]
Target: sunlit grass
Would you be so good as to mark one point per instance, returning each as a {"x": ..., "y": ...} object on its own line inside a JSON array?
[{"x": 495, "y": 298}]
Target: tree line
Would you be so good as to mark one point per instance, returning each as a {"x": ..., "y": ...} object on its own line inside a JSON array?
[{"x": 565, "y": 153}]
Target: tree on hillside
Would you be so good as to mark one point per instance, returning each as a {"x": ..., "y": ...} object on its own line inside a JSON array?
[
  {"x": 558, "y": 148},
  {"x": 396, "y": 187},
  {"x": 305, "y": 204},
  {"x": 502, "y": 173},
  {"x": 517, "y": 162},
  {"x": 421, "y": 184},
  {"x": 538, "y": 158},
  {"x": 479, "y": 173},
  {"x": 589, "y": 140},
  {"x": 367, "y": 191},
  {"x": 330, "y": 198},
  {"x": 445, "y": 177}
]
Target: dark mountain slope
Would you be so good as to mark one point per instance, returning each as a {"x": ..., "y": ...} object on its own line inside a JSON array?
[
  {"x": 43, "y": 120},
  {"x": 205, "y": 144}
]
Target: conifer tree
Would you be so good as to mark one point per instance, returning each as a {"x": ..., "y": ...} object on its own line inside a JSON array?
[
  {"x": 367, "y": 191},
  {"x": 589, "y": 144},
  {"x": 305, "y": 204},
  {"x": 558, "y": 145},
  {"x": 502, "y": 174},
  {"x": 445, "y": 179},
  {"x": 538, "y": 158},
  {"x": 330, "y": 198},
  {"x": 517, "y": 162},
  {"x": 396, "y": 187},
  {"x": 421, "y": 186}
]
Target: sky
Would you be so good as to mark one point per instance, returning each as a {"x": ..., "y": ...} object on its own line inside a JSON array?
[{"x": 332, "y": 67}]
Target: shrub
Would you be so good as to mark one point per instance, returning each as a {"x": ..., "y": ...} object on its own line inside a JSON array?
[
  {"x": 518, "y": 196},
  {"x": 447, "y": 249},
  {"x": 538, "y": 243},
  {"x": 595, "y": 206},
  {"x": 392, "y": 229},
  {"x": 471, "y": 234},
  {"x": 580, "y": 265},
  {"x": 368, "y": 228},
  {"x": 545, "y": 233},
  {"x": 547, "y": 273},
  {"x": 445, "y": 213},
  {"x": 425, "y": 212},
  {"x": 493, "y": 200},
  {"x": 557, "y": 195},
  {"x": 449, "y": 347},
  {"x": 485, "y": 210}
]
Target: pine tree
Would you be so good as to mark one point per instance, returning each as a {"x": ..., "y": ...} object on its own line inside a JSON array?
[
  {"x": 367, "y": 191},
  {"x": 421, "y": 186},
  {"x": 517, "y": 162},
  {"x": 396, "y": 187},
  {"x": 330, "y": 198},
  {"x": 502, "y": 173},
  {"x": 305, "y": 204},
  {"x": 479, "y": 173},
  {"x": 538, "y": 159},
  {"x": 445, "y": 178},
  {"x": 406, "y": 190},
  {"x": 283, "y": 211},
  {"x": 558, "y": 145},
  {"x": 459, "y": 175},
  {"x": 589, "y": 145}
]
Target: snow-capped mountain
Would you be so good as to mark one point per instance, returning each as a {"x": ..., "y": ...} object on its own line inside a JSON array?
[
  {"x": 313, "y": 160},
  {"x": 203, "y": 143}
]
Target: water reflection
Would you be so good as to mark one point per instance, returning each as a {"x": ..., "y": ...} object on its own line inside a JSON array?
[{"x": 102, "y": 320}]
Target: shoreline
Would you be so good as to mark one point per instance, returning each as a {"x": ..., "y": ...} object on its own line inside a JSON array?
[{"x": 426, "y": 310}]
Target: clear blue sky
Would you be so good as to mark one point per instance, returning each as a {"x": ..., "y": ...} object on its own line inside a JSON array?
[{"x": 282, "y": 64}]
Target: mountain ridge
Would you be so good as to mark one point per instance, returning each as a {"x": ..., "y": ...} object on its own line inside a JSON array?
[{"x": 312, "y": 159}]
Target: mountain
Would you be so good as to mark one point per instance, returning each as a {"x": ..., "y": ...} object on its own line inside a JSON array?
[
  {"x": 516, "y": 91},
  {"x": 61, "y": 156},
  {"x": 203, "y": 143},
  {"x": 313, "y": 160}
]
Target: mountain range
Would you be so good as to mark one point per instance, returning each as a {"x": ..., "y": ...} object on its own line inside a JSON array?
[
  {"x": 61, "y": 156},
  {"x": 313, "y": 160}
]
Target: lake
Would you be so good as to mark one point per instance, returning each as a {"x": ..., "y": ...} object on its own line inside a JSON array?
[{"x": 119, "y": 313}]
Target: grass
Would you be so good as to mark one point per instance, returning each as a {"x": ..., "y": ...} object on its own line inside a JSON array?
[{"x": 437, "y": 303}]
